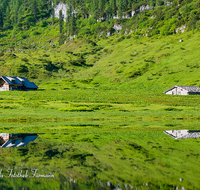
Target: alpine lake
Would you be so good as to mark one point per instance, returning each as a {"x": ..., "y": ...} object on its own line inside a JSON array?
[{"x": 92, "y": 138}]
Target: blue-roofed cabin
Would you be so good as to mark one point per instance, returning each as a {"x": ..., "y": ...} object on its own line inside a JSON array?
[{"x": 16, "y": 83}]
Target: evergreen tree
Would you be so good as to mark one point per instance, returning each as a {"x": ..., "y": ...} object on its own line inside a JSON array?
[
  {"x": 61, "y": 36},
  {"x": 198, "y": 4},
  {"x": 1, "y": 19},
  {"x": 53, "y": 16},
  {"x": 95, "y": 8},
  {"x": 192, "y": 21},
  {"x": 7, "y": 23},
  {"x": 119, "y": 8},
  {"x": 60, "y": 21},
  {"x": 19, "y": 17},
  {"x": 158, "y": 2},
  {"x": 72, "y": 25},
  {"x": 151, "y": 4},
  {"x": 15, "y": 11},
  {"x": 25, "y": 6},
  {"x": 101, "y": 5},
  {"x": 34, "y": 9},
  {"x": 107, "y": 10},
  {"x": 112, "y": 7},
  {"x": 69, "y": 11}
]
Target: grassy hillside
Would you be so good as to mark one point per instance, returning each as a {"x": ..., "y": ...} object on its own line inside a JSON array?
[
  {"x": 151, "y": 56},
  {"x": 156, "y": 63}
]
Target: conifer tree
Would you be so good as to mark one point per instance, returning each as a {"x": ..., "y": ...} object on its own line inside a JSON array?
[
  {"x": 151, "y": 4},
  {"x": 34, "y": 9},
  {"x": 112, "y": 6},
  {"x": 7, "y": 23},
  {"x": 100, "y": 8},
  {"x": 60, "y": 21},
  {"x": 94, "y": 8},
  {"x": 68, "y": 13},
  {"x": 15, "y": 11},
  {"x": 53, "y": 16},
  {"x": 61, "y": 36},
  {"x": 25, "y": 5},
  {"x": 119, "y": 8},
  {"x": 1, "y": 19},
  {"x": 192, "y": 21},
  {"x": 158, "y": 2},
  {"x": 72, "y": 25}
]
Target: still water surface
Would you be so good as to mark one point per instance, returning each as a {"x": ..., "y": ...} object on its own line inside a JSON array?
[{"x": 96, "y": 155}]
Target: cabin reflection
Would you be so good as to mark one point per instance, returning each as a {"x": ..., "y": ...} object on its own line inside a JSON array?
[{"x": 16, "y": 139}]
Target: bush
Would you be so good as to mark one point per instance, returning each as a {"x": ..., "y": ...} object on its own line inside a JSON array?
[
  {"x": 25, "y": 60},
  {"x": 22, "y": 69},
  {"x": 172, "y": 109},
  {"x": 1, "y": 53},
  {"x": 85, "y": 31},
  {"x": 154, "y": 32},
  {"x": 24, "y": 36},
  {"x": 43, "y": 23},
  {"x": 35, "y": 33}
]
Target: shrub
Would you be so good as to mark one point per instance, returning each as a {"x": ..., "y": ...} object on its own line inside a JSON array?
[
  {"x": 43, "y": 23},
  {"x": 24, "y": 36},
  {"x": 24, "y": 59},
  {"x": 22, "y": 69},
  {"x": 35, "y": 33},
  {"x": 172, "y": 109},
  {"x": 1, "y": 53}
]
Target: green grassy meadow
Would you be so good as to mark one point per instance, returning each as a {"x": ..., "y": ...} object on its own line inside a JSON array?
[
  {"x": 91, "y": 134},
  {"x": 100, "y": 111}
]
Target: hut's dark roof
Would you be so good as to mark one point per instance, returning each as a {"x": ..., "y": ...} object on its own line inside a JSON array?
[
  {"x": 19, "y": 81},
  {"x": 190, "y": 88},
  {"x": 187, "y": 88}
]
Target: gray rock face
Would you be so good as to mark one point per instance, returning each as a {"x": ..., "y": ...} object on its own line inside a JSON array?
[
  {"x": 143, "y": 7},
  {"x": 168, "y": 3},
  {"x": 108, "y": 34},
  {"x": 181, "y": 29},
  {"x": 117, "y": 27},
  {"x": 72, "y": 37},
  {"x": 133, "y": 13},
  {"x": 63, "y": 7},
  {"x": 116, "y": 17}
]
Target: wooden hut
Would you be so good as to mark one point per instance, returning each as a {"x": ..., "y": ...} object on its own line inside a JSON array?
[
  {"x": 16, "y": 83},
  {"x": 183, "y": 90}
]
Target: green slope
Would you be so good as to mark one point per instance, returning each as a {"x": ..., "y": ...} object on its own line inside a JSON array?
[
  {"x": 144, "y": 59},
  {"x": 156, "y": 62}
]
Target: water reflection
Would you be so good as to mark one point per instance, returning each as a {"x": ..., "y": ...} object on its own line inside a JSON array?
[
  {"x": 16, "y": 139},
  {"x": 183, "y": 134},
  {"x": 62, "y": 183},
  {"x": 90, "y": 157}
]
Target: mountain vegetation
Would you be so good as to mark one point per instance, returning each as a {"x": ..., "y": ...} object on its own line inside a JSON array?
[
  {"x": 115, "y": 41},
  {"x": 159, "y": 17},
  {"x": 102, "y": 67}
]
